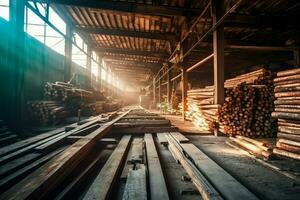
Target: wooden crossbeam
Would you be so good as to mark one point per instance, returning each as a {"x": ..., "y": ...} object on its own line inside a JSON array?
[
  {"x": 127, "y": 33},
  {"x": 128, "y": 7},
  {"x": 100, "y": 50}
]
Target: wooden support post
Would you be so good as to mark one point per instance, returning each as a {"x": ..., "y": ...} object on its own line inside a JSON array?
[
  {"x": 159, "y": 94},
  {"x": 154, "y": 92},
  {"x": 218, "y": 45},
  {"x": 89, "y": 79},
  {"x": 184, "y": 90},
  {"x": 169, "y": 88},
  {"x": 184, "y": 78},
  {"x": 68, "y": 53},
  {"x": 99, "y": 79}
]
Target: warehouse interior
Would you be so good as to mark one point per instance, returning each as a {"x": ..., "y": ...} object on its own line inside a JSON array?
[{"x": 150, "y": 99}]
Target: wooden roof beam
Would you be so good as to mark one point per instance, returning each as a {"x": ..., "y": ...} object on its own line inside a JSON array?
[
  {"x": 127, "y": 33},
  {"x": 129, "y": 7},
  {"x": 100, "y": 50}
]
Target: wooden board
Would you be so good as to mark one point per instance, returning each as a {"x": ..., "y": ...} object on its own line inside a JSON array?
[
  {"x": 162, "y": 138},
  {"x": 75, "y": 185},
  {"x": 136, "y": 188},
  {"x": 205, "y": 188},
  {"x": 104, "y": 181},
  {"x": 6, "y": 182},
  {"x": 228, "y": 186},
  {"x": 136, "y": 151},
  {"x": 179, "y": 137},
  {"x": 142, "y": 130},
  {"x": 24, "y": 143},
  {"x": 41, "y": 182},
  {"x": 158, "y": 188}
]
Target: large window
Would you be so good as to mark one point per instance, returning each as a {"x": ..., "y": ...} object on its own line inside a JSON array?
[
  {"x": 39, "y": 29},
  {"x": 4, "y": 9},
  {"x": 79, "y": 50}
]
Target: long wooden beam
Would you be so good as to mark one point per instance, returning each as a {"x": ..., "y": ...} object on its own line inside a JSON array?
[
  {"x": 40, "y": 183},
  {"x": 127, "y": 33},
  {"x": 128, "y": 7},
  {"x": 131, "y": 52}
]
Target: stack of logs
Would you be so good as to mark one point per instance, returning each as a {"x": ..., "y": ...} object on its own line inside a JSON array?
[
  {"x": 249, "y": 102},
  {"x": 47, "y": 112},
  {"x": 66, "y": 92},
  {"x": 200, "y": 108},
  {"x": 287, "y": 111}
]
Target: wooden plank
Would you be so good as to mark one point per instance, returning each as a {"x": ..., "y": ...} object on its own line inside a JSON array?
[
  {"x": 17, "y": 163},
  {"x": 158, "y": 188},
  {"x": 142, "y": 130},
  {"x": 69, "y": 191},
  {"x": 179, "y": 137},
  {"x": 162, "y": 138},
  {"x": 136, "y": 188},
  {"x": 104, "y": 181},
  {"x": 136, "y": 151},
  {"x": 142, "y": 117},
  {"x": 40, "y": 183},
  {"x": 7, "y": 139},
  {"x": 228, "y": 186},
  {"x": 18, "y": 145},
  {"x": 8, "y": 181},
  {"x": 205, "y": 188},
  {"x": 26, "y": 149}
]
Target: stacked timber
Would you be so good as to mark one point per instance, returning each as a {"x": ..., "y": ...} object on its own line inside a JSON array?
[
  {"x": 260, "y": 149},
  {"x": 287, "y": 112},
  {"x": 66, "y": 92},
  {"x": 200, "y": 108},
  {"x": 249, "y": 102},
  {"x": 47, "y": 112},
  {"x": 95, "y": 108}
]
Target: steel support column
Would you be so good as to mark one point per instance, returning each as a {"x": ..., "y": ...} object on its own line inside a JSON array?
[
  {"x": 169, "y": 88},
  {"x": 154, "y": 91}
]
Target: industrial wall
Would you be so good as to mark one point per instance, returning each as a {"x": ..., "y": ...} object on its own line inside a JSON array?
[{"x": 29, "y": 69}]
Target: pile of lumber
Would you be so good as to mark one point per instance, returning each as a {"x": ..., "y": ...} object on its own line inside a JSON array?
[
  {"x": 249, "y": 102},
  {"x": 95, "y": 108},
  {"x": 259, "y": 149},
  {"x": 287, "y": 112},
  {"x": 66, "y": 92},
  {"x": 200, "y": 108},
  {"x": 47, "y": 112}
]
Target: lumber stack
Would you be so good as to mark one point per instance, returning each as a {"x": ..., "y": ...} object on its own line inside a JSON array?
[
  {"x": 47, "y": 112},
  {"x": 200, "y": 108},
  {"x": 66, "y": 92},
  {"x": 95, "y": 108},
  {"x": 260, "y": 149},
  {"x": 249, "y": 102},
  {"x": 287, "y": 112}
]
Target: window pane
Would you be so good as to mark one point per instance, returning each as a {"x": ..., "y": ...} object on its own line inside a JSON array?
[
  {"x": 57, "y": 21},
  {"x": 4, "y": 9}
]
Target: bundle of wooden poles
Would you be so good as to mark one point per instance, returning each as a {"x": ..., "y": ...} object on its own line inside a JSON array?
[
  {"x": 66, "y": 92},
  {"x": 249, "y": 102},
  {"x": 287, "y": 112},
  {"x": 47, "y": 112},
  {"x": 200, "y": 108}
]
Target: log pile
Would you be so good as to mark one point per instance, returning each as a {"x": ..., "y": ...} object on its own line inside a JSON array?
[
  {"x": 47, "y": 112},
  {"x": 200, "y": 108},
  {"x": 249, "y": 102},
  {"x": 66, "y": 92},
  {"x": 287, "y": 112}
]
